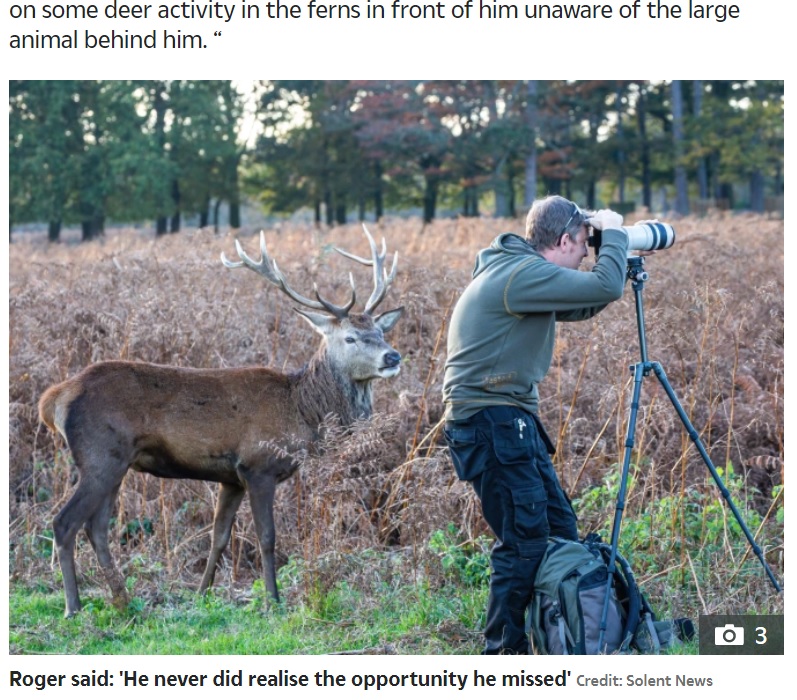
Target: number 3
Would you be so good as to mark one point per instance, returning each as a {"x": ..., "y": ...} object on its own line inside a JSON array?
[{"x": 762, "y": 635}]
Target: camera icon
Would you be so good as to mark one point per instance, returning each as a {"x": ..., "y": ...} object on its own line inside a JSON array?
[{"x": 728, "y": 636}]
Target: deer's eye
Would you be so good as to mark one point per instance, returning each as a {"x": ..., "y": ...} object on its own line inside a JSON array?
[{"x": 350, "y": 339}]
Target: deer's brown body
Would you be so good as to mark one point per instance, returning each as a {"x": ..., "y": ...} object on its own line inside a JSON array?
[
  {"x": 173, "y": 422},
  {"x": 237, "y": 427}
]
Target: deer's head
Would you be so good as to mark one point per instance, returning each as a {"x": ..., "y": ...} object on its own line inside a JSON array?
[{"x": 354, "y": 343}]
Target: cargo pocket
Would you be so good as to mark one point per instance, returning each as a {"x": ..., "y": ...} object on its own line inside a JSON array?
[
  {"x": 466, "y": 453},
  {"x": 513, "y": 441},
  {"x": 531, "y": 519}
]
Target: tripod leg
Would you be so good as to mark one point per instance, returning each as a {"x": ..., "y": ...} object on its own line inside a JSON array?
[
  {"x": 693, "y": 435},
  {"x": 639, "y": 373}
]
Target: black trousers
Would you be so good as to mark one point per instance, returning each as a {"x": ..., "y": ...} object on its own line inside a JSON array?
[{"x": 504, "y": 452}]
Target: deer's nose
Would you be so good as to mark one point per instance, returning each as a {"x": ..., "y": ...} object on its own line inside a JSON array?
[{"x": 391, "y": 359}]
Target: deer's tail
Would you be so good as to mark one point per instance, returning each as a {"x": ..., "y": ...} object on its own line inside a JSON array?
[{"x": 54, "y": 405}]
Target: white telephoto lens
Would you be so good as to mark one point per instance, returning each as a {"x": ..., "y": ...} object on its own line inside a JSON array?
[{"x": 650, "y": 236}]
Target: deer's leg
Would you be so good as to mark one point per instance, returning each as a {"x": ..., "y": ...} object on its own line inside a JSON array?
[
  {"x": 88, "y": 497},
  {"x": 65, "y": 528},
  {"x": 97, "y": 531},
  {"x": 261, "y": 488},
  {"x": 230, "y": 496}
]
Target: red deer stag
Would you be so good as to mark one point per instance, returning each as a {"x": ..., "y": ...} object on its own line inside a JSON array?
[{"x": 236, "y": 426}]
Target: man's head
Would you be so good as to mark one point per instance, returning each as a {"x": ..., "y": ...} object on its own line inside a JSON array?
[{"x": 558, "y": 229}]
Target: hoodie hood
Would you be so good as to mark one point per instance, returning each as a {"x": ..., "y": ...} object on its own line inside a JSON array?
[{"x": 503, "y": 244}]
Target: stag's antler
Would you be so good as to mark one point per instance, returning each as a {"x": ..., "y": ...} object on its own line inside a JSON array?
[
  {"x": 267, "y": 267},
  {"x": 382, "y": 280}
]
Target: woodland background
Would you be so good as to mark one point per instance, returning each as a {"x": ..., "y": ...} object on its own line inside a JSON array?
[{"x": 90, "y": 153}]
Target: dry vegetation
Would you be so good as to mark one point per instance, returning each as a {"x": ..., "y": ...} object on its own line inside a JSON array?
[{"x": 714, "y": 311}]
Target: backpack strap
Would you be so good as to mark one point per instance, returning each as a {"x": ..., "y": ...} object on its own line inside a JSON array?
[
  {"x": 563, "y": 631},
  {"x": 564, "y": 634},
  {"x": 654, "y": 635},
  {"x": 634, "y": 608}
]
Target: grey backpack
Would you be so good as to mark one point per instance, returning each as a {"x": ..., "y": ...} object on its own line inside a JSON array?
[{"x": 569, "y": 594}]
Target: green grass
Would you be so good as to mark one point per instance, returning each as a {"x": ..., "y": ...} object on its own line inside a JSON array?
[
  {"x": 372, "y": 601},
  {"x": 411, "y": 620}
]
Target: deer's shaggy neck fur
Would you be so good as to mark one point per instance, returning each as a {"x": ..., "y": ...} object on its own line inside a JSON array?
[{"x": 321, "y": 390}]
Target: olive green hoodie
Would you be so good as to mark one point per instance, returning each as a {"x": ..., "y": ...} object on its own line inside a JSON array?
[{"x": 501, "y": 337}]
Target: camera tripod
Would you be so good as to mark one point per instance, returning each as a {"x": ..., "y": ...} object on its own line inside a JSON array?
[{"x": 638, "y": 276}]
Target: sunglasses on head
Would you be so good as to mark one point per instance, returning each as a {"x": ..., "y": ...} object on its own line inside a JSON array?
[{"x": 576, "y": 210}]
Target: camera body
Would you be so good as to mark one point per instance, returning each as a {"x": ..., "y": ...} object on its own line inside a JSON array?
[
  {"x": 648, "y": 236},
  {"x": 728, "y": 636}
]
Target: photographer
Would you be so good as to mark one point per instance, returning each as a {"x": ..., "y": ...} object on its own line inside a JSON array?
[{"x": 500, "y": 345}]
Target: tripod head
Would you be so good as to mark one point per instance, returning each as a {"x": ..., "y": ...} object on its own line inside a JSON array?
[{"x": 636, "y": 270}]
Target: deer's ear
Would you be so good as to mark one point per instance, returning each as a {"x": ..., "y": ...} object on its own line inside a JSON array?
[
  {"x": 321, "y": 324},
  {"x": 387, "y": 320}
]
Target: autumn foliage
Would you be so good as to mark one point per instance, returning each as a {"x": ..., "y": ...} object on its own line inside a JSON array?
[{"x": 715, "y": 319}]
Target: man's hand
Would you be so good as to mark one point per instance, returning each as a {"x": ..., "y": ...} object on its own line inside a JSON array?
[{"x": 605, "y": 219}]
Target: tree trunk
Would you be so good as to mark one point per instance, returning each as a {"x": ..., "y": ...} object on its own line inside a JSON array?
[
  {"x": 159, "y": 106},
  {"x": 501, "y": 189},
  {"x": 54, "y": 231},
  {"x": 429, "y": 198},
  {"x": 235, "y": 214},
  {"x": 235, "y": 211},
  {"x": 512, "y": 202},
  {"x": 697, "y": 109},
  {"x": 757, "y": 191},
  {"x": 379, "y": 196},
  {"x": 644, "y": 156},
  {"x": 530, "y": 178},
  {"x": 235, "y": 193},
  {"x": 725, "y": 195},
  {"x": 330, "y": 214},
  {"x": 553, "y": 185},
  {"x": 470, "y": 201},
  {"x": 340, "y": 210},
  {"x": 91, "y": 228},
  {"x": 204, "y": 215},
  {"x": 681, "y": 185},
  {"x": 216, "y": 209},
  {"x": 499, "y": 153},
  {"x": 591, "y": 194},
  {"x": 714, "y": 181},
  {"x": 620, "y": 146},
  {"x": 174, "y": 226},
  {"x": 91, "y": 224}
]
